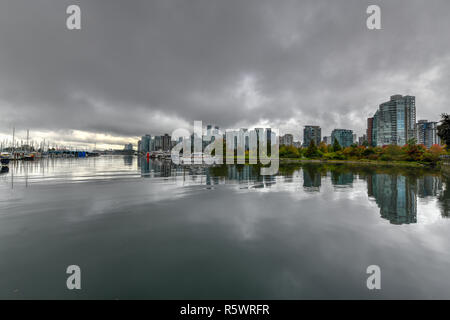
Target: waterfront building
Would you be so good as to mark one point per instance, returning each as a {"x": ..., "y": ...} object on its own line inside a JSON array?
[
  {"x": 369, "y": 131},
  {"x": 375, "y": 129},
  {"x": 343, "y": 136},
  {"x": 426, "y": 133},
  {"x": 327, "y": 140},
  {"x": 287, "y": 140},
  {"x": 362, "y": 139},
  {"x": 312, "y": 133},
  {"x": 145, "y": 143},
  {"x": 128, "y": 147},
  {"x": 396, "y": 121},
  {"x": 165, "y": 142},
  {"x": 157, "y": 144}
]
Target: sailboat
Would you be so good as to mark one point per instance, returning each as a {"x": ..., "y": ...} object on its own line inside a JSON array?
[{"x": 5, "y": 158}]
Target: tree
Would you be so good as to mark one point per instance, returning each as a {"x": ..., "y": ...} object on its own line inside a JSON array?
[
  {"x": 444, "y": 129},
  {"x": 411, "y": 142},
  {"x": 323, "y": 147},
  {"x": 336, "y": 145},
  {"x": 312, "y": 150}
]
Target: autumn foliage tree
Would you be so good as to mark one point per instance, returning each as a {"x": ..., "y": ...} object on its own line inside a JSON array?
[{"x": 444, "y": 129}]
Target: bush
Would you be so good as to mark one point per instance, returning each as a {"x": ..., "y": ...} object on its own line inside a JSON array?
[
  {"x": 430, "y": 157},
  {"x": 386, "y": 157},
  {"x": 289, "y": 152},
  {"x": 367, "y": 152}
]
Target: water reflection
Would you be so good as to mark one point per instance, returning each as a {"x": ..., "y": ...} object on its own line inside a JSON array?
[
  {"x": 128, "y": 160},
  {"x": 444, "y": 198},
  {"x": 429, "y": 186},
  {"x": 394, "y": 190},
  {"x": 311, "y": 179},
  {"x": 309, "y": 232},
  {"x": 395, "y": 196},
  {"x": 156, "y": 168}
]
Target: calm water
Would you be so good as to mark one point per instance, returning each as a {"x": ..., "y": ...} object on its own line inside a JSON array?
[{"x": 151, "y": 230}]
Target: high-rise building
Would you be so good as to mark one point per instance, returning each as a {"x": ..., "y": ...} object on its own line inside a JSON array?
[
  {"x": 426, "y": 133},
  {"x": 287, "y": 140},
  {"x": 362, "y": 139},
  {"x": 327, "y": 140},
  {"x": 369, "y": 132},
  {"x": 375, "y": 129},
  {"x": 128, "y": 147},
  {"x": 145, "y": 143},
  {"x": 343, "y": 136},
  {"x": 396, "y": 121},
  {"x": 165, "y": 142},
  {"x": 312, "y": 133},
  {"x": 157, "y": 144}
]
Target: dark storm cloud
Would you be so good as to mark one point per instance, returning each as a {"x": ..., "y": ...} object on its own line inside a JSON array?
[{"x": 151, "y": 66}]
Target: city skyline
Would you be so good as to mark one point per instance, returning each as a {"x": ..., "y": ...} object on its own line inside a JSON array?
[{"x": 423, "y": 131}]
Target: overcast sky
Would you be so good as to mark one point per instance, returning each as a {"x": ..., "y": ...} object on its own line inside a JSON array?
[{"x": 151, "y": 66}]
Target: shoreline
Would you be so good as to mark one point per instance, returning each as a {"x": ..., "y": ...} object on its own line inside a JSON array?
[{"x": 360, "y": 162}]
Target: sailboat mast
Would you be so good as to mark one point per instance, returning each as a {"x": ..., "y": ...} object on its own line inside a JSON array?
[{"x": 13, "y": 147}]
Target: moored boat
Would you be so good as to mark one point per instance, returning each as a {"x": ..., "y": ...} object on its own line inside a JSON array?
[{"x": 5, "y": 158}]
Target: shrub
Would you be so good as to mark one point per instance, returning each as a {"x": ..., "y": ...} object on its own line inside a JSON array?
[{"x": 386, "y": 157}]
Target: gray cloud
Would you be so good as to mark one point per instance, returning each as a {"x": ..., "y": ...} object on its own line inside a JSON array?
[{"x": 152, "y": 66}]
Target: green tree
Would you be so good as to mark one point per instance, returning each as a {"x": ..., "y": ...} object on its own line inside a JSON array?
[
  {"x": 411, "y": 142},
  {"x": 336, "y": 145},
  {"x": 312, "y": 150},
  {"x": 444, "y": 129}
]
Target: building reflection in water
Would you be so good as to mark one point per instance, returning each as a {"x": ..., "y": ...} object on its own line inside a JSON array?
[
  {"x": 395, "y": 191},
  {"x": 209, "y": 175},
  {"x": 395, "y": 195},
  {"x": 311, "y": 179},
  {"x": 342, "y": 178},
  {"x": 429, "y": 186},
  {"x": 128, "y": 160},
  {"x": 155, "y": 168}
]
